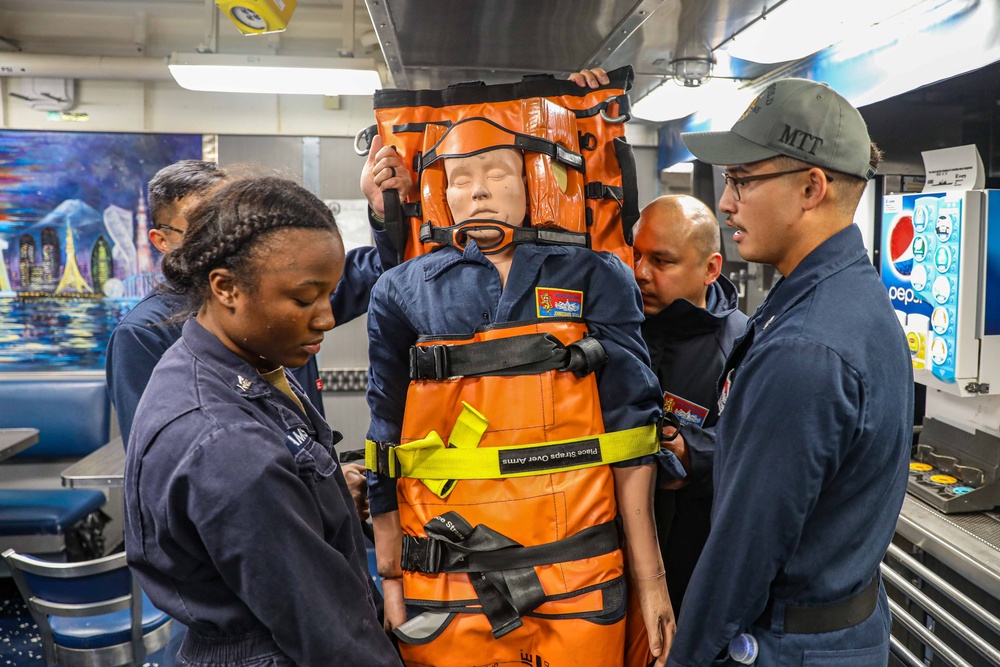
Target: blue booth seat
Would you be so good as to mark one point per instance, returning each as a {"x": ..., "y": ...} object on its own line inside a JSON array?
[
  {"x": 45, "y": 512},
  {"x": 73, "y": 418}
]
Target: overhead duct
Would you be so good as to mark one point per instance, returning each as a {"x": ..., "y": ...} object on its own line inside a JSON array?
[{"x": 121, "y": 68}]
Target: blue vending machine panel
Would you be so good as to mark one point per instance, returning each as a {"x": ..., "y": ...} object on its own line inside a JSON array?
[
  {"x": 991, "y": 270},
  {"x": 921, "y": 241}
]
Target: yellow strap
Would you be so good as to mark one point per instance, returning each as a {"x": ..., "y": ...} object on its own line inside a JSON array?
[
  {"x": 429, "y": 459},
  {"x": 469, "y": 428}
]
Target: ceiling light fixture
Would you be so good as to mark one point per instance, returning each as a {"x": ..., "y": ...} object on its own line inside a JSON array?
[
  {"x": 794, "y": 29},
  {"x": 692, "y": 72},
  {"x": 284, "y": 75}
]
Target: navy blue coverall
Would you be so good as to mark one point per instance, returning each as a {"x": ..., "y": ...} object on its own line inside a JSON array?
[
  {"x": 688, "y": 346},
  {"x": 239, "y": 522},
  {"x": 812, "y": 448}
]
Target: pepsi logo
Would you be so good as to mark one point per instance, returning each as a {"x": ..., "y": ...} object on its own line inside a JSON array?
[{"x": 901, "y": 246}]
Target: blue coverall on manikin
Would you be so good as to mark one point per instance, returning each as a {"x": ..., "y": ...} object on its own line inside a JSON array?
[
  {"x": 452, "y": 292},
  {"x": 811, "y": 459}
]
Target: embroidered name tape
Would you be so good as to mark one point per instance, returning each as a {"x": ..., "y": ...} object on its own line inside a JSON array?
[{"x": 296, "y": 439}]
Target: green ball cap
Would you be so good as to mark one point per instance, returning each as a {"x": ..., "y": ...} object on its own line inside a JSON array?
[{"x": 799, "y": 118}]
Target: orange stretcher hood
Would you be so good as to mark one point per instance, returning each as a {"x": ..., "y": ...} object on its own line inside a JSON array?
[{"x": 580, "y": 170}]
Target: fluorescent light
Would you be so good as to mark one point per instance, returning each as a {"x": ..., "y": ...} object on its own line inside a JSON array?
[
  {"x": 670, "y": 100},
  {"x": 798, "y": 28},
  {"x": 285, "y": 75}
]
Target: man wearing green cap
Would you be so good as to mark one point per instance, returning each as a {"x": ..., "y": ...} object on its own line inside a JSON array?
[{"x": 815, "y": 401}]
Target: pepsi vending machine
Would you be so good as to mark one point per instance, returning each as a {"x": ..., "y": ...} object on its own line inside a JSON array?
[
  {"x": 929, "y": 261},
  {"x": 935, "y": 263}
]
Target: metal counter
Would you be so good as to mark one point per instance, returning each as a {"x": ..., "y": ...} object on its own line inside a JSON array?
[
  {"x": 967, "y": 543},
  {"x": 101, "y": 468},
  {"x": 943, "y": 576}
]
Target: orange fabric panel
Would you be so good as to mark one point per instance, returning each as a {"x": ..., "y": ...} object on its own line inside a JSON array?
[
  {"x": 555, "y": 191},
  {"x": 433, "y": 197},
  {"x": 532, "y": 510},
  {"x": 553, "y": 642}
]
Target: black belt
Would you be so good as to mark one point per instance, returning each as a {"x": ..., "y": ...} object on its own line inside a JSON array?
[{"x": 827, "y": 618}]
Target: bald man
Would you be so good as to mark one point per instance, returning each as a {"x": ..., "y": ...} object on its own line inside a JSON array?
[{"x": 691, "y": 325}]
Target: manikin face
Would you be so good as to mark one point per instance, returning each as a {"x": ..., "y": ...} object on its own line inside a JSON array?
[
  {"x": 668, "y": 265},
  {"x": 487, "y": 186},
  {"x": 282, "y": 318}
]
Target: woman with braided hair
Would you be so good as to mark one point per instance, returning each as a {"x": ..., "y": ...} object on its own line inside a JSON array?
[{"x": 238, "y": 520}]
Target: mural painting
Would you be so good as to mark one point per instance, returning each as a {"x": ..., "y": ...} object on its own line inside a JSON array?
[{"x": 74, "y": 248}]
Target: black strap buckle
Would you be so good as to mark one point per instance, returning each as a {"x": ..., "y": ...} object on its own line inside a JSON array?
[
  {"x": 383, "y": 455},
  {"x": 421, "y": 554},
  {"x": 429, "y": 362}
]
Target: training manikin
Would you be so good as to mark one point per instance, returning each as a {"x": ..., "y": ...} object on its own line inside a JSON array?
[{"x": 514, "y": 415}]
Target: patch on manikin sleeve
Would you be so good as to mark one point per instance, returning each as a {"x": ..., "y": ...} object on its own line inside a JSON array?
[
  {"x": 688, "y": 413},
  {"x": 556, "y": 302}
]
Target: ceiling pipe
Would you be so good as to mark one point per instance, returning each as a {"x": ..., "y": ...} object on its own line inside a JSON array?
[{"x": 120, "y": 68}]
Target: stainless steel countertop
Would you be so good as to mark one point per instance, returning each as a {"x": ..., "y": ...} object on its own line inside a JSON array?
[
  {"x": 15, "y": 440},
  {"x": 102, "y": 468},
  {"x": 967, "y": 543}
]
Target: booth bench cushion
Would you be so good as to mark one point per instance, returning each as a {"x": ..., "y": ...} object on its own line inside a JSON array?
[
  {"x": 45, "y": 512},
  {"x": 73, "y": 416}
]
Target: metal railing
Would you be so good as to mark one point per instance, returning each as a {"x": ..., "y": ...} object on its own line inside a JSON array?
[{"x": 938, "y": 613}]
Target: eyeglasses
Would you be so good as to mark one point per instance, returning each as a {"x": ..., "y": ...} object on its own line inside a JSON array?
[
  {"x": 173, "y": 229},
  {"x": 736, "y": 182}
]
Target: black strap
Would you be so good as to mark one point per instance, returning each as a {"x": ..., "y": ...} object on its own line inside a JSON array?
[
  {"x": 598, "y": 190},
  {"x": 418, "y": 127},
  {"x": 586, "y": 356},
  {"x": 412, "y": 210},
  {"x": 527, "y": 354},
  {"x": 501, "y": 570},
  {"x": 630, "y": 183},
  {"x": 623, "y": 107},
  {"x": 525, "y": 142},
  {"x": 388, "y": 98},
  {"x": 826, "y": 618},
  {"x": 395, "y": 226},
  {"x": 430, "y": 233},
  {"x": 453, "y": 545}
]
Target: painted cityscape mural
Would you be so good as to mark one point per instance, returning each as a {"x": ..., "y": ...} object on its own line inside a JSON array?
[{"x": 74, "y": 240}]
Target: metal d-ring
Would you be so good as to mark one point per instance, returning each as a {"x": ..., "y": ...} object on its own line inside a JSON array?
[
  {"x": 366, "y": 135},
  {"x": 619, "y": 119}
]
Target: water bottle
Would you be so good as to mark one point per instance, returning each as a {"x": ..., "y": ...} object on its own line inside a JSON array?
[{"x": 743, "y": 649}]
